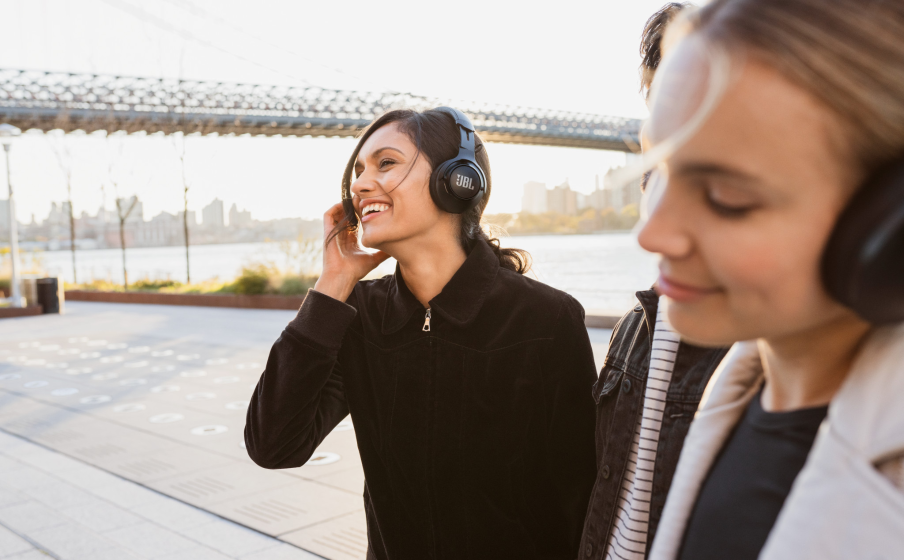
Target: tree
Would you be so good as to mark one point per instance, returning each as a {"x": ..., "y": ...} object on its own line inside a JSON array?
[
  {"x": 123, "y": 210},
  {"x": 124, "y": 207},
  {"x": 180, "y": 147},
  {"x": 64, "y": 159}
]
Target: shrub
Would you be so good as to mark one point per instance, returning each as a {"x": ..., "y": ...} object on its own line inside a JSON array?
[
  {"x": 253, "y": 280},
  {"x": 94, "y": 286},
  {"x": 154, "y": 285},
  {"x": 296, "y": 285},
  {"x": 4, "y": 287}
]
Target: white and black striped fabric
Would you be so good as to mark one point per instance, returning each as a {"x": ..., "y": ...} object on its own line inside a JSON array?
[{"x": 628, "y": 540}]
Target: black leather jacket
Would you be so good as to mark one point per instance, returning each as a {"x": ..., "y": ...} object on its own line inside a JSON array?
[
  {"x": 619, "y": 396},
  {"x": 476, "y": 437}
]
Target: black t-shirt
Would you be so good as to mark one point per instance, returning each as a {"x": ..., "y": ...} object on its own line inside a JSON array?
[{"x": 749, "y": 481}]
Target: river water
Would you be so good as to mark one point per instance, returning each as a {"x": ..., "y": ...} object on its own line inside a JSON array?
[{"x": 602, "y": 271}]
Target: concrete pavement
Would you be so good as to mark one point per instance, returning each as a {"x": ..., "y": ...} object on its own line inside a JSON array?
[{"x": 151, "y": 400}]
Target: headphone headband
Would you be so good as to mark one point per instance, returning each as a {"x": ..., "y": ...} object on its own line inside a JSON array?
[{"x": 466, "y": 148}]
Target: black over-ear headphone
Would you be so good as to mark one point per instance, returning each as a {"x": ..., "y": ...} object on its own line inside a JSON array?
[
  {"x": 863, "y": 263},
  {"x": 458, "y": 185}
]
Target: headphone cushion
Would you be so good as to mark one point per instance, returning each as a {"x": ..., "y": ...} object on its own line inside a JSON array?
[{"x": 863, "y": 263}]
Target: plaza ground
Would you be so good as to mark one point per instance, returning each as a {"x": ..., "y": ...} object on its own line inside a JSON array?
[{"x": 121, "y": 437}]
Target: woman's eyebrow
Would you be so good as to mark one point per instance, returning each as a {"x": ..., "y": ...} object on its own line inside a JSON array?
[
  {"x": 706, "y": 168},
  {"x": 383, "y": 149}
]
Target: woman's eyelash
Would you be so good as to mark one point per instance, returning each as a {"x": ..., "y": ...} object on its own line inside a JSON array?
[
  {"x": 386, "y": 162},
  {"x": 729, "y": 211}
]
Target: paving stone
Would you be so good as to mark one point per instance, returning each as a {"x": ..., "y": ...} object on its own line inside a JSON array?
[
  {"x": 232, "y": 539},
  {"x": 26, "y": 477},
  {"x": 10, "y": 496},
  {"x": 47, "y": 461},
  {"x": 174, "y": 515},
  {"x": 282, "y": 552},
  {"x": 342, "y": 538},
  {"x": 219, "y": 484},
  {"x": 71, "y": 541},
  {"x": 122, "y": 493},
  {"x": 59, "y": 495},
  {"x": 100, "y": 516},
  {"x": 11, "y": 543},
  {"x": 27, "y": 517},
  {"x": 285, "y": 509},
  {"x": 32, "y": 554},
  {"x": 197, "y": 553},
  {"x": 149, "y": 540}
]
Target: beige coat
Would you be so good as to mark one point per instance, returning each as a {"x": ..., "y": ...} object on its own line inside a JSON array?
[{"x": 848, "y": 501}]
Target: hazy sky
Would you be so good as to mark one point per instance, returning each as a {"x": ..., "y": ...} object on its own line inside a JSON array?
[{"x": 570, "y": 55}]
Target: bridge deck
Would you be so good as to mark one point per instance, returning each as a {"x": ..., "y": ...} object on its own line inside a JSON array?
[{"x": 48, "y": 101}]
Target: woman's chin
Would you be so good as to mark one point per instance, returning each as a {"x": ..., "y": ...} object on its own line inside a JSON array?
[
  {"x": 699, "y": 326},
  {"x": 373, "y": 241}
]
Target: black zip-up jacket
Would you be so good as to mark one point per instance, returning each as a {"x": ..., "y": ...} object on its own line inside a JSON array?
[
  {"x": 619, "y": 396},
  {"x": 476, "y": 437}
]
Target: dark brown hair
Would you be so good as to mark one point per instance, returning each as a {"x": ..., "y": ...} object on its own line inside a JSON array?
[
  {"x": 651, "y": 42},
  {"x": 436, "y": 137}
]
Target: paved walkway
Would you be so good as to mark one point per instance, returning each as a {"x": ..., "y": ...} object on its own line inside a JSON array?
[
  {"x": 52, "y": 506},
  {"x": 151, "y": 400}
]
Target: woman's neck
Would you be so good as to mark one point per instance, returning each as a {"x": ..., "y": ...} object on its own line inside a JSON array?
[
  {"x": 805, "y": 370},
  {"x": 428, "y": 263}
]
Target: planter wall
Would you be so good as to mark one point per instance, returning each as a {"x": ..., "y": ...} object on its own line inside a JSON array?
[
  {"x": 12, "y": 312},
  {"x": 200, "y": 300},
  {"x": 597, "y": 320}
]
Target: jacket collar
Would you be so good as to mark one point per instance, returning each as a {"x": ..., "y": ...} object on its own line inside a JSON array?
[{"x": 461, "y": 298}]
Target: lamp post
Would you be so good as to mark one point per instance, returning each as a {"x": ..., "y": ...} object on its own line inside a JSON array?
[{"x": 7, "y": 133}]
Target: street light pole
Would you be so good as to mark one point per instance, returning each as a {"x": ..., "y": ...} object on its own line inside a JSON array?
[{"x": 7, "y": 133}]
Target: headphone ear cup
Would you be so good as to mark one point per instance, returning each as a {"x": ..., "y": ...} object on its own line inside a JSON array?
[
  {"x": 447, "y": 201},
  {"x": 863, "y": 263}
]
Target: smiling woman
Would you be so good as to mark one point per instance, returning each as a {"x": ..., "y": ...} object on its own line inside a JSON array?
[
  {"x": 755, "y": 207},
  {"x": 469, "y": 385}
]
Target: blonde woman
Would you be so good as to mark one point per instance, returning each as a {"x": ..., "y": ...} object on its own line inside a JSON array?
[{"x": 779, "y": 123}]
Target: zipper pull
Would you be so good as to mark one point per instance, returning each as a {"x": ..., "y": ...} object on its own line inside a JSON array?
[{"x": 427, "y": 321}]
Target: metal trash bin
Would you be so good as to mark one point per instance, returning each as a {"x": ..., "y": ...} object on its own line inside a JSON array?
[{"x": 50, "y": 295}]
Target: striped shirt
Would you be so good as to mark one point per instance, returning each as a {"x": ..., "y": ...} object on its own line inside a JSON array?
[{"x": 628, "y": 540}]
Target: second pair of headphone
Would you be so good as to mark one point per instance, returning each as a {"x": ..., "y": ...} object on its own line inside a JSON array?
[
  {"x": 863, "y": 263},
  {"x": 459, "y": 184}
]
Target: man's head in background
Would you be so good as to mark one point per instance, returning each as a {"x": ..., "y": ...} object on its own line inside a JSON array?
[
  {"x": 651, "y": 52},
  {"x": 651, "y": 43}
]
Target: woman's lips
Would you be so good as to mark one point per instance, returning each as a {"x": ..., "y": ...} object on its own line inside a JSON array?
[
  {"x": 682, "y": 292},
  {"x": 373, "y": 215}
]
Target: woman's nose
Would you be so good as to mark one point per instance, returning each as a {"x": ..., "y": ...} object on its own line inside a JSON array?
[
  {"x": 363, "y": 186},
  {"x": 666, "y": 231}
]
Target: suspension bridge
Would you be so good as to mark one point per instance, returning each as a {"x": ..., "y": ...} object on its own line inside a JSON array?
[{"x": 89, "y": 102}]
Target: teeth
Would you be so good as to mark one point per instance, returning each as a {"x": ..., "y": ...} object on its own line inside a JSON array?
[{"x": 371, "y": 208}]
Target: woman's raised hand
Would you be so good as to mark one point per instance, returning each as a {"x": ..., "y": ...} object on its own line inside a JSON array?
[{"x": 344, "y": 262}]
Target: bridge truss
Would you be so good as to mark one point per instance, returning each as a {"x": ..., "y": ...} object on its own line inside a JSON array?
[{"x": 48, "y": 101}]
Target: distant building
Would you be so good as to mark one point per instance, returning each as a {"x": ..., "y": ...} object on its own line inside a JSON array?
[
  {"x": 192, "y": 218},
  {"x": 238, "y": 218},
  {"x": 212, "y": 214},
  {"x": 534, "y": 200},
  {"x": 59, "y": 214},
  {"x": 562, "y": 200},
  {"x": 621, "y": 194}
]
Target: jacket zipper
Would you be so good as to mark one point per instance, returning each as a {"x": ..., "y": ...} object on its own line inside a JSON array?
[{"x": 427, "y": 321}]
